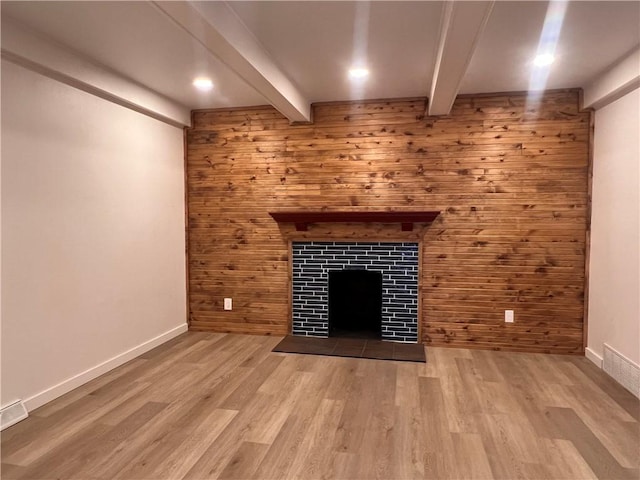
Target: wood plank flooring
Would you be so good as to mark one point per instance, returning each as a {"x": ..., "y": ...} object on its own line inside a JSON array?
[{"x": 219, "y": 406}]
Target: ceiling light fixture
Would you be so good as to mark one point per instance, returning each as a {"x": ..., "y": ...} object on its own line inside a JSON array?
[
  {"x": 358, "y": 72},
  {"x": 543, "y": 60},
  {"x": 203, "y": 84}
]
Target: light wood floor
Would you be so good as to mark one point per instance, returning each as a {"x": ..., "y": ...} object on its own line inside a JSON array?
[{"x": 223, "y": 406}]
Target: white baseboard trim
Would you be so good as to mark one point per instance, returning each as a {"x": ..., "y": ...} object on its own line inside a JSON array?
[
  {"x": 66, "y": 386},
  {"x": 593, "y": 356}
]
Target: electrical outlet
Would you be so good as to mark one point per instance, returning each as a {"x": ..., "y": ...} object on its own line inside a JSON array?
[
  {"x": 228, "y": 304},
  {"x": 508, "y": 316}
]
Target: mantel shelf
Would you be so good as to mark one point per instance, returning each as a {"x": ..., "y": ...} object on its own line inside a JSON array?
[{"x": 406, "y": 219}]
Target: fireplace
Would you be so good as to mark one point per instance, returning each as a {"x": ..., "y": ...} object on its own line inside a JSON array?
[
  {"x": 355, "y": 303},
  {"x": 389, "y": 267}
]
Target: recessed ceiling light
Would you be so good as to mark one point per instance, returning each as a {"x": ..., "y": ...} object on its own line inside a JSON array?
[
  {"x": 358, "y": 72},
  {"x": 543, "y": 60},
  {"x": 203, "y": 84}
]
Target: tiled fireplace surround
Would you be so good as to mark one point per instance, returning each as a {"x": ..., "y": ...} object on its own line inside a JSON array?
[{"x": 398, "y": 263}]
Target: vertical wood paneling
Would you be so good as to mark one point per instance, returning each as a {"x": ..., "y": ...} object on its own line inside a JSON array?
[{"x": 510, "y": 179}]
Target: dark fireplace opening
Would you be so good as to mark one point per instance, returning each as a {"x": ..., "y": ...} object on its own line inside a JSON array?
[{"x": 355, "y": 304}]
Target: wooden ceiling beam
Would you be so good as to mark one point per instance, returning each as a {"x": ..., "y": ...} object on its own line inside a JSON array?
[
  {"x": 618, "y": 80},
  {"x": 41, "y": 54},
  {"x": 461, "y": 27},
  {"x": 216, "y": 27}
]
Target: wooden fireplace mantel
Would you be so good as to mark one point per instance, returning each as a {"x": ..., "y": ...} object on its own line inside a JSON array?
[{"x": 301, "y": 219}]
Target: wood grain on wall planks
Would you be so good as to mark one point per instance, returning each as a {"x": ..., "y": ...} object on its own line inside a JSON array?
[{"x": 510, "y": 179}]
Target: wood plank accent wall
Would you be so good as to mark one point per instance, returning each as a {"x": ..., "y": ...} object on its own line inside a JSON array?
[{"x": 509, "y": 177}]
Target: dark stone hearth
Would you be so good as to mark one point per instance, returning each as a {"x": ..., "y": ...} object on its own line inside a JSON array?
[{"x": 350, "y": 347}]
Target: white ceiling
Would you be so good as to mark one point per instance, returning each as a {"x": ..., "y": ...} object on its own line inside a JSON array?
[
  {"x": 316, "y": 42},
  {"x": 593, "y": 36},
  {"x": 312, "y": 44}
]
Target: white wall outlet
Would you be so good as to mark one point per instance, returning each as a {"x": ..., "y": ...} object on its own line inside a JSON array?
[
  {"x": 228, "y": 304},
  {"x": 508, "y": 316}
]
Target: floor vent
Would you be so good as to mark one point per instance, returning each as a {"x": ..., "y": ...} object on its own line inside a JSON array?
[
  {"x": 12, "y": 414},
  {"x": 623, "y": 370}
]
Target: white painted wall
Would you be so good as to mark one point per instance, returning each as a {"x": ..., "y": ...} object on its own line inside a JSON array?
[
  {"x": 614, "y": 275},
  {"x": 93, "y": 265}
]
